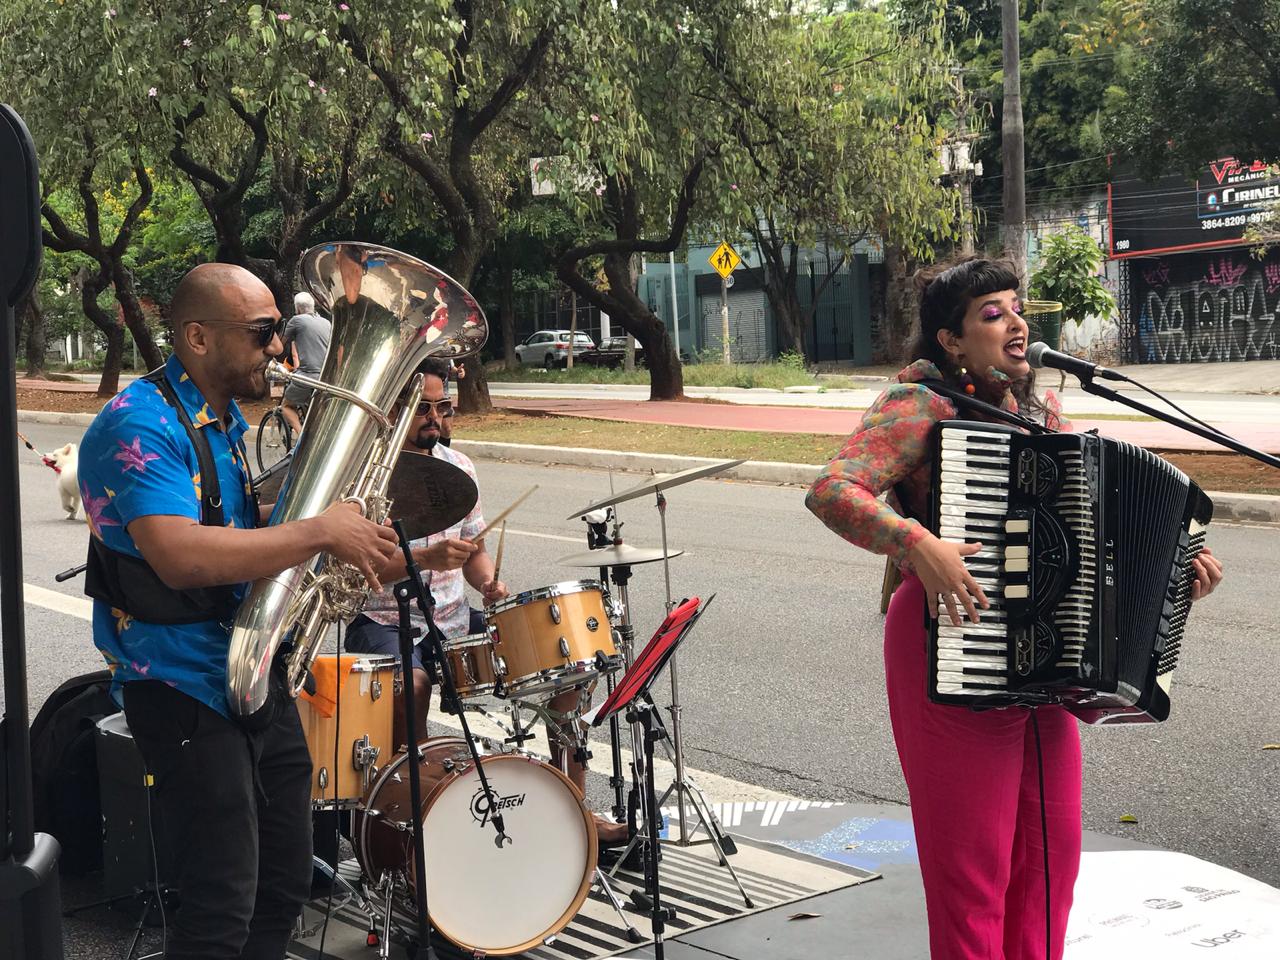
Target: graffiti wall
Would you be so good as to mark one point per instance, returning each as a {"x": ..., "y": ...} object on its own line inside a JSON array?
[{"x": 1204, "y": 307}]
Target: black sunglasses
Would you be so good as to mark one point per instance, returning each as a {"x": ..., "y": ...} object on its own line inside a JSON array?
[
  {"x": 264, "y": 330},
  {"x": 441, "y": 408}
]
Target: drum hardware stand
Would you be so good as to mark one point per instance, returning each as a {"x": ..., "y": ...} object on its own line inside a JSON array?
[
  {"x": 349, "y": 895},
  {"x": 414, "y": 588}
]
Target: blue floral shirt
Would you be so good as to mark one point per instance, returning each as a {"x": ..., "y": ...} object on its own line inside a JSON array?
[{"x": 136, "y": 460}]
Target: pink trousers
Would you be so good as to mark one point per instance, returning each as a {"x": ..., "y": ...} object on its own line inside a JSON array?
[{"x": 975, "y": 803}]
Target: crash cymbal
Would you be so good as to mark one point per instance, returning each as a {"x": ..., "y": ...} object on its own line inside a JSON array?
[
  {"x": 659, "y": 481},
  {"x": 430, "y": 494},
  {"x": 617, "y": 555}
]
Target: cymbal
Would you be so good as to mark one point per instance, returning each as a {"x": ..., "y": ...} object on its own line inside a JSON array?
[
  {"x": 618, "y": 555},
  {"x": 430, "y": 494},
  {"x": 658, "y": 482}
]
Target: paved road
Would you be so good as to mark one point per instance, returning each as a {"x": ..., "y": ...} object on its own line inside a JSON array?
[{"x": 782, "y": 681}]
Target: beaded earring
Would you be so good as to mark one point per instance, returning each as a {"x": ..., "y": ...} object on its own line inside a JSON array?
[{"x": 966, "y": 382}]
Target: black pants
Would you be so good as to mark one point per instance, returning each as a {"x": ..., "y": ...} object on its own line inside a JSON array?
[{"x": 236, "y": 814}]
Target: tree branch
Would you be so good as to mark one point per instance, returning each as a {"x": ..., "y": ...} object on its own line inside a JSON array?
[{"x": 514, "y": 81}]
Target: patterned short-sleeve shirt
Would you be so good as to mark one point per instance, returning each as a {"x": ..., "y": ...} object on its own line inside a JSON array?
[
  {"x": 136, "y": 460},
  {"x": 448, "y": 588}
]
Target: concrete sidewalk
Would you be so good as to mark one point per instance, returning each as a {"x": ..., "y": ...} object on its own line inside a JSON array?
[{"x": 772, "y": 419}]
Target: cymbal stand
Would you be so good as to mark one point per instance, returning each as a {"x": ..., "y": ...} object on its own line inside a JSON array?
[
  {"x": 598, "y": 538},
  {"x": 683, "y": 788}
]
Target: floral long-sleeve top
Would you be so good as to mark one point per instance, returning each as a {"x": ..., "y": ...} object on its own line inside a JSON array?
[{"x": 890, "y": 453}]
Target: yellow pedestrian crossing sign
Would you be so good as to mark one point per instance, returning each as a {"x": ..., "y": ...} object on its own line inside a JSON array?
[{"x": 725, "y": 260}]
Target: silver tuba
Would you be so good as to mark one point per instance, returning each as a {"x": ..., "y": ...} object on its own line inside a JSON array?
[{"x": 390, "y": 312}]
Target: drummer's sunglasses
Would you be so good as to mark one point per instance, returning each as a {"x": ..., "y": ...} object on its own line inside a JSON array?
[
  {"x": 264, "y": 330},
  {"x": 441, "y": 408}
]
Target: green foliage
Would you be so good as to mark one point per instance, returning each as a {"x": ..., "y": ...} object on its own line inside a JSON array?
[
  {"x": 1075, "y": 67},
  {"x": 1206, "y": 86},
  {"x": 1069, "y": 274},
  {"x": 792, "y": 360}
]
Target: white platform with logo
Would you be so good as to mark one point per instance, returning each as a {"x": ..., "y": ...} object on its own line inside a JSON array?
[{"x": 1148, "y": 903}]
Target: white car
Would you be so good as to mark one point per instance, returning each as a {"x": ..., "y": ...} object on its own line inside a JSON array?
[{"x": 550, "y": 348}]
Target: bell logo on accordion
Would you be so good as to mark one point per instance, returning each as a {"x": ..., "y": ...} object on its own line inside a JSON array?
[{"x": 1087, "y": 545}]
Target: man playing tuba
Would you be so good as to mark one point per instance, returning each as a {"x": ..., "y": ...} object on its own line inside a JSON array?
[{"x": 175, "y": 537}]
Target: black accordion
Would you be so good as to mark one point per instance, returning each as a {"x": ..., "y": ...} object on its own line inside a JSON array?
[{"x": 1086, "y": 557}]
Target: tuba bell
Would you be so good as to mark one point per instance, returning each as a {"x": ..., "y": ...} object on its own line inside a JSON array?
[{"x": 390, "y": 312}]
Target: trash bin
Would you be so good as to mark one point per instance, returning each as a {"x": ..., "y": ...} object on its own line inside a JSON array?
[{"x": 1044, "y": 320}]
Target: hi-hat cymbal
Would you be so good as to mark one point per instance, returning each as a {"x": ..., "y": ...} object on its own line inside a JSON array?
[
  {"x": 430, "y": 494},
  {"x": 658, "y": 482},
  {"x": 617, "y": 555}
]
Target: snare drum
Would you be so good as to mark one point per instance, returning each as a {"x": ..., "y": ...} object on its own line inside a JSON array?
[
  {"x": 489, "y": 900},
  {"x": 358, "y": 729},
  {"x": 550, "y": 638},
  {"x": 471, "y": 664}
]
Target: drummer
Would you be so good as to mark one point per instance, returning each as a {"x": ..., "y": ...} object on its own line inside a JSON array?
[{"x": 450, "y": 560}]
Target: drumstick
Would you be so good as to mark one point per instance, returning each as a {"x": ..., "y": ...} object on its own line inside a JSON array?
[
  {"x": 504, "y": 514},
  {"x": 497, "y": 560}
]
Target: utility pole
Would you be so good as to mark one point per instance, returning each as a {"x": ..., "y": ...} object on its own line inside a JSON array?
[
  {"x": 724, "y": 319},
  {"x": 1011, "y": 142},
  {"x": 961, "y": 165},
  {"x": 675, "y": 304}
]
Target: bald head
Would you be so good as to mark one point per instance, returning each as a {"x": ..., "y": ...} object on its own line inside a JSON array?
[{"x": 215, "y": 291}]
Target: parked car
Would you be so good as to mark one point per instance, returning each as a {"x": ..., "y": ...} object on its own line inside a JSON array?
[
  {"x": 550, "y": 348},
  {"x": 611, "y": 353}
]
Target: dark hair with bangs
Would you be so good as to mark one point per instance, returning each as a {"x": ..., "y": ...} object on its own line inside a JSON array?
[{"x": 945, "y": 291}]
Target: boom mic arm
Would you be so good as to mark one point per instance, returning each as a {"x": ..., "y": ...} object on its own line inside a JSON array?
[{"x": 1040, "y": 354}]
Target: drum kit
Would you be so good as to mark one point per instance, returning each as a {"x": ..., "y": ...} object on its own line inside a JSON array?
[{"x": 507, "y": 893}]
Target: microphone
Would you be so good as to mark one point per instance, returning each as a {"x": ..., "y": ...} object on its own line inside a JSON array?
[{"x": 1040, "y": 354}]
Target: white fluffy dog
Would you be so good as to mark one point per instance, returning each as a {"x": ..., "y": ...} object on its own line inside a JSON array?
[{"x": 65, "y": 458}]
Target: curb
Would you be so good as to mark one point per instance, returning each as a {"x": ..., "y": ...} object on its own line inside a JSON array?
[{"x": 1238, "y": 507}]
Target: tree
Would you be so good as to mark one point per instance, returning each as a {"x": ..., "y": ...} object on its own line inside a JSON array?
[
  {"x": 452, "y": 75},
  {"x": 244, "y": 112},
  {"x": 82, "y": 105},
  {"x": 1070, "y": 273},
  {"x": 853, "y": 151},
  {"x": 1204, "y": 85},
  {"x": 31, "y": 326}
]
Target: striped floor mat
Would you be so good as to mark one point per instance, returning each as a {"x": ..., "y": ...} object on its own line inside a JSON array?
[{"x": 701, "y": 891}]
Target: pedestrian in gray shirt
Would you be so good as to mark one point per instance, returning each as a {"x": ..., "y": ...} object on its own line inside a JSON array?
[{"x": 306, "y": 342}]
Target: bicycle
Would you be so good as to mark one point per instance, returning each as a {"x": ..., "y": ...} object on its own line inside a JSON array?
[{"x": 275, "y": 436}]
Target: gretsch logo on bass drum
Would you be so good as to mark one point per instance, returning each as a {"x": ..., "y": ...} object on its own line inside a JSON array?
[{"x": 481, "y": 811}]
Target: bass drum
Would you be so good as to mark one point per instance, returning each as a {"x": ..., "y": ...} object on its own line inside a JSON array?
[{"x": 484, "y": 899}]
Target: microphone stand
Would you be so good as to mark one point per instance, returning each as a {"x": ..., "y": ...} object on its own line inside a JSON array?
[
  {"x": 1088, "y": 385},
  {"x": 414, "y": 589},
  {"x": 407, "y": 635}
]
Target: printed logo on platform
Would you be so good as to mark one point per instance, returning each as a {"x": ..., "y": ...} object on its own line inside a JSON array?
[
  {"x": 1159, "y": 903},
  {"x": 1205, "y": 895},
  {"x": 1221, "y": 940},
  {"x": 481, "y": 812}
]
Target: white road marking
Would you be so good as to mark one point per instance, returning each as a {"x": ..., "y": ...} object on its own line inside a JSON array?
[
  {"x": 58, "y": 602},
  {"x": 716, "y": 788}
]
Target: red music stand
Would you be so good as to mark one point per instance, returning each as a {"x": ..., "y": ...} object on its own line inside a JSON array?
[{"x": 629, "y": 695}]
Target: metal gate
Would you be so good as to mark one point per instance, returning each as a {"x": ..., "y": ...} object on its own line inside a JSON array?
[{"x": 748, "y": 327}]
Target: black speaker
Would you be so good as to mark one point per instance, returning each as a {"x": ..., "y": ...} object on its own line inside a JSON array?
[{"x": 132, "y": 827}]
